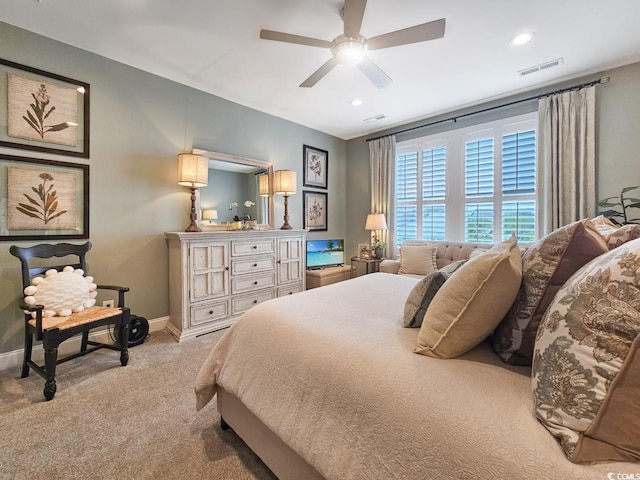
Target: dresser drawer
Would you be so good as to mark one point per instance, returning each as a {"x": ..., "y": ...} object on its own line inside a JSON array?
[
  {"x": 252, "y": 248},
  {"x": 242, "y": 266},
  {"x": 243, "y": 303},
  {"x": 244, "y": 284},
  {"x": 290, "y": 289},
  {"x": 209, "y": 312}
]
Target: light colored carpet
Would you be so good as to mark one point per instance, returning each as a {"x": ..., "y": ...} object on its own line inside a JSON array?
[{"x": 108, "y": 422}]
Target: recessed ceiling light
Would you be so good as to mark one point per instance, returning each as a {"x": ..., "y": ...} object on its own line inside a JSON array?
[
  {"x": 522, "y": 39},
  {"x": 356, "y": 102}
]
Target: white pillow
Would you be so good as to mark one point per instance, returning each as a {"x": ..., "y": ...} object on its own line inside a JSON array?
[
  {"x": 418, "y": 259},
  {"x": 61, "y": 293}
]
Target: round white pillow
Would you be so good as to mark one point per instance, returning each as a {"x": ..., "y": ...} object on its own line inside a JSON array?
[{"x": 61, "y": 293}]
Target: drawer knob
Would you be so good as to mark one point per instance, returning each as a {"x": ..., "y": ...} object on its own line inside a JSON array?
[
  {"x": 255, "y": 247},
  {"x": 255, "y": 264},
  {"x": 210, "y": 312},
  {"x": 255, "y": 301},
  {"x": 255, "y": 283},
  {"x": 226, "y": 268}
]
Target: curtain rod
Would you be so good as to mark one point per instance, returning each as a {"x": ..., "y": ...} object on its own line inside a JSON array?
[{"x": 454, "y": 119}]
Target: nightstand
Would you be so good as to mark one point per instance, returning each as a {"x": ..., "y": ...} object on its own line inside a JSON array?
[{"x": 371, "y": 264}]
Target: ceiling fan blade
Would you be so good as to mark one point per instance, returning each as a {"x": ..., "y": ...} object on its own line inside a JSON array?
[
  {"x": 353, "y": 13},
  {"x": 318, "y": 74},
  {"x": 290, "y": 38},
  {"x": 419, "y": 33},
  {"x": 374, "y": 73}
]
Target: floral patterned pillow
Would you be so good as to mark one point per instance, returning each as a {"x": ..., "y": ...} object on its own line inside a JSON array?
[
  {"x": 613, "y": 234},
  {"x": 586, "y": 366},
  {"x": 546, "y": 266}
]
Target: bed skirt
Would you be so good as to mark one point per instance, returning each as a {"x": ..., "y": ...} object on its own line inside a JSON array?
[{"x": 281, "y": 460}]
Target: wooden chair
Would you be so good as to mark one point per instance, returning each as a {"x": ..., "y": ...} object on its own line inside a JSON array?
[{"x": 52, "y": 335}]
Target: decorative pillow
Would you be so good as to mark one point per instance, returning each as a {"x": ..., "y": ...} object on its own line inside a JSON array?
[
  {"x": 546, "y": 266},
  {"x": 470, "y": 305},
  {"x": 61, "y": 293},
  {"x": 418, "y": 259},
  {"x": 586, "y": 365},
  {"x": 424, "y": 291},
  {"x": 613, "y": 234}
]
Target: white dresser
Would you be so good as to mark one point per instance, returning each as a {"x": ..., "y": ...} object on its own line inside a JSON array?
[{"x": 216, "y": 276}]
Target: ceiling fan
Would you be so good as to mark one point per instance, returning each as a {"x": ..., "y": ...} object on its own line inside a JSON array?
[{"x": 351, "y": 47}]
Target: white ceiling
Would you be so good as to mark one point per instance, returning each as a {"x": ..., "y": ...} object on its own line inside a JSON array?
[{"x": 213, "y": 45}]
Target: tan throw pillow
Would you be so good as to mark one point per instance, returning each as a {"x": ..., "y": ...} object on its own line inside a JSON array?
[
  {"x": 546, "y": 266},
  {"x": 586, "y": 365},
  {"x": 418, "y": 259},
  {"x": 424, "y": 291},
  {"x": 613, "y": 234},
  {"x": 470, "y": 305}
]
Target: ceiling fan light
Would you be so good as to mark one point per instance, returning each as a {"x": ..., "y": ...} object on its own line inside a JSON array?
[{"x": 349, "y": 51}]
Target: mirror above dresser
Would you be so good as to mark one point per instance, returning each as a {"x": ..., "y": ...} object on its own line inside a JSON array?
[{"x": 235, "y": 179}]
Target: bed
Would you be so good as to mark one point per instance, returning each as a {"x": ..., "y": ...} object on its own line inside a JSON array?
[{"x": 325, "y": 384}]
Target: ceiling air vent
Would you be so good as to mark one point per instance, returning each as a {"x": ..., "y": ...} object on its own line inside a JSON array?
[
  {"x": 376, "y": 118},
  {"x": 542, "y": 66}
]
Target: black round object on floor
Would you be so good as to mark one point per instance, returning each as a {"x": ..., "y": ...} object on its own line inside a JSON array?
[{"x": 138, "y": 331}]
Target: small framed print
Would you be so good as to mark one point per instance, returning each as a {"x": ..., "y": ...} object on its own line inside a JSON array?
[
  {"x": 43, "y": 199},
  {"x": 315, "y": 167},
  {"x": 363, "y": 251},
  {"x": 43, "y": 111},
  {"x": 315, "y": 211}
]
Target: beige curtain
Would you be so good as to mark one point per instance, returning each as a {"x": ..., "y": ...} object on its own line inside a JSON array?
[
  {"x": 566, "y": 158},
  {"x": 382, "y": 159}
]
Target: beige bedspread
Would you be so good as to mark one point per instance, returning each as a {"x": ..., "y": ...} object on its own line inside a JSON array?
[{"x": 332, "y": 373}]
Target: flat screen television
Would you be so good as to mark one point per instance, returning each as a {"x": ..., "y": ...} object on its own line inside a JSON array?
[{"x": 325, "y": 253}]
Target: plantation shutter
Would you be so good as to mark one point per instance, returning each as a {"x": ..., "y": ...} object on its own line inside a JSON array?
[{"x": 406, "y": 218}]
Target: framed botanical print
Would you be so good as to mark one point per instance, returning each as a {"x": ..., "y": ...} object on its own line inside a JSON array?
[
  {"x": 43, "y": 111},
  {"x": 43, "y": 199},
  {"x": 315, "y": 167},
  {"x": 315, "y": 211}
]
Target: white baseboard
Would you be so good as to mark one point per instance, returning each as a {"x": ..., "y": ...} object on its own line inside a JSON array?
[{"x": 14, "y": 358}]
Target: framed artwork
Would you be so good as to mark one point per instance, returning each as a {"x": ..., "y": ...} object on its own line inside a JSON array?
[
  {"x": 43, "y": 199},
  {"x": 364, "y": 251},
  {"x": 315, "y": 167},
  {"x": 42, "y": 111},
  {"x": 315, "y": 211}
]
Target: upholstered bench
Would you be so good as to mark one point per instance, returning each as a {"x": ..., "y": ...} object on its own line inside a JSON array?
[{"x": 328, "y": 275}]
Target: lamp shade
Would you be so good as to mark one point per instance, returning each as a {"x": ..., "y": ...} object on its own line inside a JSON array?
[
  {"x": 209, "y": 214},
  {"x": 285, "y": 182},
  {"x": 193, "y": 170},
  {"x": 263, "y": 185},
  {"x": 376, "y": 221}
]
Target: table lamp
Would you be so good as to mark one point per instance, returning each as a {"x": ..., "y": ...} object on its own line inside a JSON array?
[
  {"x": 193, "y": 172},
  {"x": 210, "y": 215},
  {"x": 375, "y": 222},
  {"x": 285, "y": 184}
]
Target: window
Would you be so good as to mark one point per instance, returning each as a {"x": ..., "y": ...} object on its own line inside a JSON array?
[{"x": 476, "y": 184}]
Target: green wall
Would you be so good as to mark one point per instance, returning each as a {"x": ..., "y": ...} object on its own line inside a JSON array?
[
  {"x": 139, "y": 124},
  {"x": 617, "y": 141}
]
